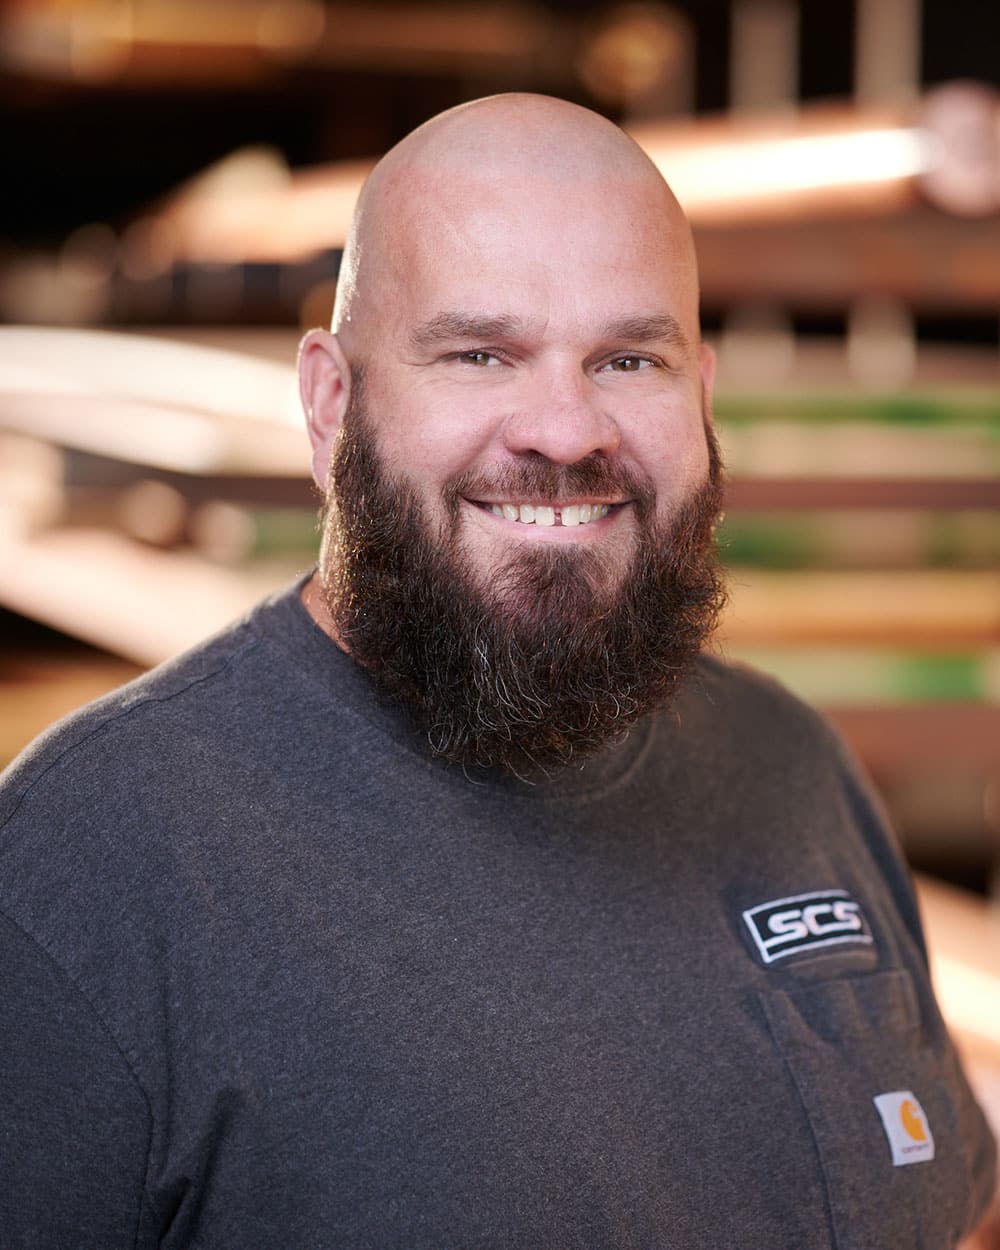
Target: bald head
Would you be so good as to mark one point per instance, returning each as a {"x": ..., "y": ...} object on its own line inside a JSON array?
[
  {"x": 521, "y": 231},
  {"x": 541, "y": 156}
]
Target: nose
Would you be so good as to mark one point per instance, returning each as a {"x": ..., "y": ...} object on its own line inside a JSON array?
[{"x": 562, "y": 416}]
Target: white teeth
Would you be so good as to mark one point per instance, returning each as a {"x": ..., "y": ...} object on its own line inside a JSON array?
[
  {"x": 542, "y": 514},
  {"x": 571, "y": 515}
]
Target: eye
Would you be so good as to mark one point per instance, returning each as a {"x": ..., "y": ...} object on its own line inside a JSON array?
[
  {"x": 480, "y": 359},
  {"x": 629, "y": 364}
]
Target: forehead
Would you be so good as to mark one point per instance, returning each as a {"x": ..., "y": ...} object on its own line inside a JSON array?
[{"x": 566, "y": 253}]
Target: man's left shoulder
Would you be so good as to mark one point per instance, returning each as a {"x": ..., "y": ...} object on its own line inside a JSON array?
[{"x": 734, "y": 701}]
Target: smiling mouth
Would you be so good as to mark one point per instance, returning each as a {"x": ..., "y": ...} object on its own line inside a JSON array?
[{"x": 550, "y": 514}]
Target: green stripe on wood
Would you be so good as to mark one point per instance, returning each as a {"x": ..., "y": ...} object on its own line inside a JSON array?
[
  {"x": 975, "y": 407},
  {"x": 833, "y": 675}
]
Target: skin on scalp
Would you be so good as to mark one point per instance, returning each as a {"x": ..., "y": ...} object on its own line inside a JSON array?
[{"x": 538, "y": 145}]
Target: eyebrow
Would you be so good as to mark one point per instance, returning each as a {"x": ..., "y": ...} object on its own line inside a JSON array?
[
  {"x": 449, "y": 326},
  {"x": 647, "y": 329}
]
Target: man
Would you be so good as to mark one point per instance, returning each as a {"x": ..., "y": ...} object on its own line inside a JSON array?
[{"x": 451, "y": 899}]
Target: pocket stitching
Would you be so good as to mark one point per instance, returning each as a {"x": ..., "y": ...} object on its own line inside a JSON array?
[{"x": 824, "y": 1169}]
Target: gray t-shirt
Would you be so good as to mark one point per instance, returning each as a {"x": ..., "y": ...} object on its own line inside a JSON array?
[{"x": 274, "y": 978}]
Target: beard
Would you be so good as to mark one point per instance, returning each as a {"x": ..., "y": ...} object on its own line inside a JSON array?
[{"x": 550, "y": 655}]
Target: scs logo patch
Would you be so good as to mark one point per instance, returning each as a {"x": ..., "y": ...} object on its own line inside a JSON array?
[{"x": 785, "y": 926}]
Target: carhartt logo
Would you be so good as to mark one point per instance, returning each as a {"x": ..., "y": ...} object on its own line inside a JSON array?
[
  {"x": 803, "y": 922},
  {"x": 909, "y": 1134},
  {"x": 912, "y": 1119}
]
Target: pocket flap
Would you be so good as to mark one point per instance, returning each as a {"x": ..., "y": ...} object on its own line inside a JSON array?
[{"x": 837, "y": 1010}]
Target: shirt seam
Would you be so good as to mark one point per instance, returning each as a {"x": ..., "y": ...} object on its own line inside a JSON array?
[{"x": 110, "y": 722}]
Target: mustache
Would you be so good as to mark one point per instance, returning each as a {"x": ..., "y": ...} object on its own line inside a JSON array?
[{"x": 536, "y": 476}]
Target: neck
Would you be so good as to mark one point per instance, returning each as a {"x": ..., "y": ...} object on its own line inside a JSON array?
[{"x": 315, "y": 604}]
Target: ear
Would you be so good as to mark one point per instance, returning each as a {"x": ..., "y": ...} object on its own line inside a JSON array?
[
  {"x": 325, "y": 387},
  {"x": 706, "y": 364}
]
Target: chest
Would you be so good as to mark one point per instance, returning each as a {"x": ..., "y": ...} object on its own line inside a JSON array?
[{"x": 505, "y": 1047}]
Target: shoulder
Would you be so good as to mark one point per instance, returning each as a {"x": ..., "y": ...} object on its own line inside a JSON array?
[
  {"x": 107, "y": 820},
  {"x": 193, "y": 717},
  {"x": 116, "y": 729},
  {"x": 766, "y": 751},
  {"x": 745, "y": 711},
  {"x": 737, "y": 685}
]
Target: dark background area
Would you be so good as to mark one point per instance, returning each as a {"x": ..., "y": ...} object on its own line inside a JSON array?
[{"x": 79, "y": 152}]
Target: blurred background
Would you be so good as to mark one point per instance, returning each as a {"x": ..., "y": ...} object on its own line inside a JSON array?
[{"x": 178, "y": 177}]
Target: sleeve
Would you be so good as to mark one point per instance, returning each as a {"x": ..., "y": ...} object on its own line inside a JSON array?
[
  {"x": 76, "y": 1127},
  {"x": 978, "y": 1141}
]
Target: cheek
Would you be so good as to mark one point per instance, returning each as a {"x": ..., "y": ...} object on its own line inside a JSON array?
[
  {"x": 430, "y": 440},
  {"x": 672, "y": 450},
  {"x": 442, "y": 449},
  {"x": 697, "y": 457}
]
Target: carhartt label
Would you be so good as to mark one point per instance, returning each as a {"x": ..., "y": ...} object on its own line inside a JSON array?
[
  {"x": 804, "y": 922},
  {"x": 906, "y": 1127}
]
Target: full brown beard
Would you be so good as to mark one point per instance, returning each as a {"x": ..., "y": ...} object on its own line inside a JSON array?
[{"x": 553, "y": 654}]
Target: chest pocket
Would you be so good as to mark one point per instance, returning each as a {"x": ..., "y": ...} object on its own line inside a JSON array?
[{"x": 844, "y": 1043}]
